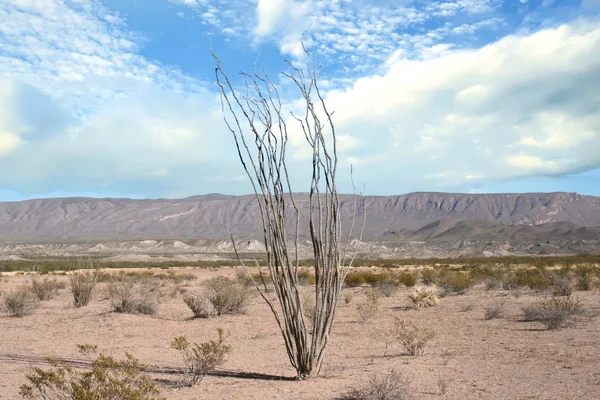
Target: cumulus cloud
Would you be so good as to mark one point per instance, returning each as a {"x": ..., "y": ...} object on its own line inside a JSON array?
[
  {"x": 83, "y": 111},
  {"x": 522, "y": 106}
]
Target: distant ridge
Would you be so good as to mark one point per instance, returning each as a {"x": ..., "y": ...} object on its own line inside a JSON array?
[{"x": 413, "y": 216}]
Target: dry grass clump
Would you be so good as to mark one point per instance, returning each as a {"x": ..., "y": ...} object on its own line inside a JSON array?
[
  {"x": 201, "y": 359},
  {"x": 221, "y": 296},
  {"x": 83, "y": 286},
  {"x": 368, "y": 308},
  {"x": 108, "y": 378},
  {"x": 494, "y": 310},
  {"x": 133, "y": 295},
  {"x": 391, "y": 386},
  {"x": 413, "y": 338},
  {"x": 20, "y": 302},
  {"x": 425, "y": 297},
  {"x": 45, "y": 289},
  {"x": 554, "y": 312}
]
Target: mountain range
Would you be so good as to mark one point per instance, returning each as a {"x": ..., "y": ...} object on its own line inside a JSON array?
[{"x": 539, "y": 223}]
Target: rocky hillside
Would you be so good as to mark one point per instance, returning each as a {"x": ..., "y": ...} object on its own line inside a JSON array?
[{"x": 414, "y": 216}]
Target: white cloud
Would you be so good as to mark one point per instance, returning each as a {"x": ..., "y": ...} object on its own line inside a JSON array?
[{"x": 522, "y": 106}]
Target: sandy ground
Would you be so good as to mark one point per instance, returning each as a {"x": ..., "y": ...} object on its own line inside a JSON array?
[{"x": 476, "y": 358}]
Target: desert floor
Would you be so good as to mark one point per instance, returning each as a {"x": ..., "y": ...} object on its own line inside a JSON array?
[{"x": 473, "y": 357}]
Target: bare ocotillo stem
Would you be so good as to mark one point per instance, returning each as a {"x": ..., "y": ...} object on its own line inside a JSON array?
[{"x": 255, "y": 118}]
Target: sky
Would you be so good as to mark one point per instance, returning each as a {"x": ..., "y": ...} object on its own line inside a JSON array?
[{"x": 117, "y": 98}]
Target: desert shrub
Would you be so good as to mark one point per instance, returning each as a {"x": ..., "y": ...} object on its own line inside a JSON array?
[
  {"x": 222, "y": 296},
  {"x": 19, "y": 302},
  {"x": 368, "y": 308},
  {"x": 387, "y": 289},
  {"x": 201, "y": 359},
  {"x": 562, "y": 285},
  {"x": 554, "y": 313},
  {"x": 108, "y": 378},
  {"x": 376, "y": 279},
  {"x": 248, "y": 280},
  {"x": 83, "y": 285},
  {"x": 408, "y": 279},
  {"x": 201, "y": 306},
  {"x": 354, "y": 279},
  {"x": 45, "y": 289},
  {"x": 494, "y": 310},
  {"x": 536, "y": 279},
  {"x": 429, "y": 276},
  {"x": 457, "y": 282},
  {"x": 227, "y": 296},
  {"x": 413, "y": 338},
  {"x": 309, "y": 306},
  {"x": 348, "y": 298},
  {"x": 391, "y": 386},
  {"x": 305, "y": 277},
  {"x": 425, "y": 297},
  {"x": 132, "y": 296}
]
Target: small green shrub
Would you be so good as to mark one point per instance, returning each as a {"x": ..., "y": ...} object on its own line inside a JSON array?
[
  {"x": 391, "y": 386},
  {"x": 554, "y": 313},
  {"x": 20, "y": 302},
  {"x": 408, "y": 279},
  {"x": 108, "y": 378},
  {"x": 429, "y": 276},
  {"x": 413, "y": 338},
  {"x": 537, "y": 279},
  {"x": 354, "y": 279},
  {"x": 201, "y": 359},
  {"x": 457, "y": 282}
]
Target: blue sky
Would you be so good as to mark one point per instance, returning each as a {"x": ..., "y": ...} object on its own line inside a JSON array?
[{"x": 116, "y": 98}]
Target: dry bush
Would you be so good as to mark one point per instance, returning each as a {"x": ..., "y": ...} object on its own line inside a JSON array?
[
  {"x": 368, "y": 308},
  {"x": 83, "y": 286},
  {"x": 391, "y": 386},
  {"x": 108, "y": 378},
  {"x": 387, "y": 289},
  {"x": 348, "y": 298},
  {"x": 201, "y": 359},
  {"x": 354, "y": 279},
  {"x": 227, "y": 296},
  {"x": 429, "y": 276},
  {"x": 537, "y": 279},
  {"x": 134, "y": 295},
  {"x": 305, "y": 277},
  {"x": 309, "y": 305},
  {"x": 221, "y": 296},
  {"x": 554, "y": 313},
  {"x": 19, "y": 302},
  {"x": 45, "y": 289},
  {"x": 457, "y": 282},
  {"x": 201, "y": 306},
  {"x": 408, "y": 279},
  {"x": 563, "y": 285},
  {"x": 425, "y": 297},
  {"x": 413, "y": 338},
  {"x": 494, "y": 310}
]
